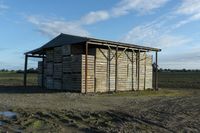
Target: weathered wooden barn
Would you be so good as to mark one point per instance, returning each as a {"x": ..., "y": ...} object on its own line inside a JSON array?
[{"x": 83, "y": 64}]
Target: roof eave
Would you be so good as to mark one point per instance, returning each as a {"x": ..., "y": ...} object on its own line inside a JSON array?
[{"x": 124, "y": 44}]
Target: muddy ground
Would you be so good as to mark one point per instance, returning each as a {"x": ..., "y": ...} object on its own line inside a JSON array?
[{"x": 167, "y": 110}]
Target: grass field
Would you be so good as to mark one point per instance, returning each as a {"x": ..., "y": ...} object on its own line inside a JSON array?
[
  {"x": 166, "y": 79},
  {"x": 179, "y": 80},
  {"x": 16, "y": 79}
]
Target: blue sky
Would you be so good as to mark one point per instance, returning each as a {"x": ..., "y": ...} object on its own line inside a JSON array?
[{"x": 172, "y": 25}]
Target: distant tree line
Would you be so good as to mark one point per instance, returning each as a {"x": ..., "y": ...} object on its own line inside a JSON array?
[
  {"x": 30, "y": 70},
  {"x": 179, "y": 70},
  {"x": 35, "y": 70}
]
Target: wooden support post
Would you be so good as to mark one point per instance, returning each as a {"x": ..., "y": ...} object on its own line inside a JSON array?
[
  {"x": 138, "y": 62},
  {"x": 109, "y": 69},
  {"x": 156, "y": 72},
  {"x": 116, "y": 69},
  {"x": 86, "y": 65},
  {"x": 25, "y": 70},
  {"x": 145, "y": 67},
  {"x": 42, "y": 71},
  {"x": 132, "y": 63},
  {"x": 95, "y": 79}
]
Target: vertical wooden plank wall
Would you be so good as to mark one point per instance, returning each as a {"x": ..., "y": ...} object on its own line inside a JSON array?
[
  {"x": 101, "y": 70},
  {"x": 40, "y": 73},
  {"x": 72, "y": 73},
  {"x": 126, "y": 71},
  {"x": 149, "y": 72},
  {"x": 66, "y": 71},
  {"x": 90, "y": 74}
]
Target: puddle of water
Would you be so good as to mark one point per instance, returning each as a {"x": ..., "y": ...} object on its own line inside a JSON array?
[{"x": 8, "y": 114}]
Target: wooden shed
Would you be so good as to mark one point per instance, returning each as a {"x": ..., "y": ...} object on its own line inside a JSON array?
[{"x": 83, "y": 64}]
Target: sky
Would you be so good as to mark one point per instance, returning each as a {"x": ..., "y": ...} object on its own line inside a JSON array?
[{"x": 172, "y": 25}]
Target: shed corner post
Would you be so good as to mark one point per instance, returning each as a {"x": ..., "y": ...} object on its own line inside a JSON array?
[
  {"x": 25, "y": 70},
  {"x": 43, "y": 71},
  {"x": 145, "y": 67},
  {"x": 156, "y": 72},
  {"x": 138, "y": 70},
  {"x": 132, "y": 78},
  {"x": 116, "y": 69},
  {"x": 86, "y": 65}
]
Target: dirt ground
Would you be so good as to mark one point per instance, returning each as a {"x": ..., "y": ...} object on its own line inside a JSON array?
[{"x": 167, "y": 110}]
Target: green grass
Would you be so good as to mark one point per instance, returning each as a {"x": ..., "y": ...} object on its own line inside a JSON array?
[
  {"x": 166, "y": 79},
  {"x": 179, "y": 80},
  {"x": 16, "y": 79}
]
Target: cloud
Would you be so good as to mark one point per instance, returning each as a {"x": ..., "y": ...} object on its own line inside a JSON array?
[
  {"x": 52, "y": 27},
  {"x": 159, "y": 33},
  {"x": 188, "y": 60},
  {"x": 166, "y": 41},
  {"x": 190, "y": 9},
  {"x": 124, "y": 7},
  {"x": 94, "y": 17},
  {"x": 154, "y": 35},
  {"x": 141, "y": 6},
  {"x": 3, "y": 7}
]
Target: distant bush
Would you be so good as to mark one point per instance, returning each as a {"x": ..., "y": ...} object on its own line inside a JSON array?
[
  {"x": 30, "y": 70},
  {"x": 179, "y": 70}
]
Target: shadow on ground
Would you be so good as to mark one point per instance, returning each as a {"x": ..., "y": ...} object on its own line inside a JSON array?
[{"x": 24, "y": 90}]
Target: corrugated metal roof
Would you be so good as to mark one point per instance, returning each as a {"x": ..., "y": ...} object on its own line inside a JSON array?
[{"x": 65, "y": 39}]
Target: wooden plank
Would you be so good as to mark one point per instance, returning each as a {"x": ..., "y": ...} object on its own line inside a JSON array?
[
  {"x": 116, "y": 69},
  {"x": 49, "y": 69},
  {"x": 145, "y": 69},
  {"x": 66, "y": 50},
  {"x": 57, "y": 54},
  {"x": 49, "y": 55},
  {"x": 25, "y": 70},
  {"x": 49, "y": 82},
  {"x": 156, "y": 72},
  {"x": 57, "y": 73},
  {"x": 57, "y": 84},
  {"x": 90, "y": 74}
]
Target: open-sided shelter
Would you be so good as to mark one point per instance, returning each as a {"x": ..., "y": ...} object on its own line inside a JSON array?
[{"x": 84, "y": 64}]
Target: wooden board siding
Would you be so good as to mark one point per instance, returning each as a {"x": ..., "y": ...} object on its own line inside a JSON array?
[
  {"x": 49, "y": 69},
  {"x": 65, "y": 69},
  {"x": 49, "y": 82},
  {"x": 149, "y": 72},
  {"x": 72, "y": 73},
  {"x": 49, "y": 55},
  {"x": 57, "y": 84},
  {"x": 57, "y": 72},
  {"x": 77, "y": 49},
  {"x": 124, "y": 76},
  {"x": 39, "y": 67},
  {"x": 105, "y": 80},
  {"x": 112, "y": 70},
  {"x": 142, "y": 71},
  {"x": 66, "y": 50},
  {"x": 101, "y": 70},
  {"x": 39, "y": 80},
  {"x": 90, "y": 75},
  {"x": 147, "y": 81},
  {"x": 57, "y": 57}
]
